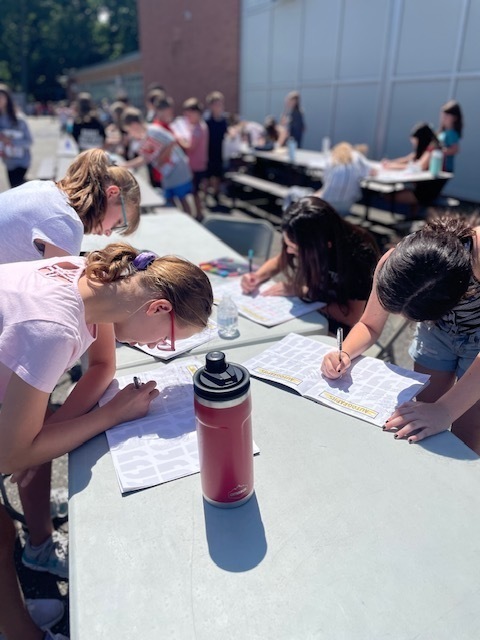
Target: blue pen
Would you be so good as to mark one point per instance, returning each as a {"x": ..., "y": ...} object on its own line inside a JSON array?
[{"x": 250, "y": 260}]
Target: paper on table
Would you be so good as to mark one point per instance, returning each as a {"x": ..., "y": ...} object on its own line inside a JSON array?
[
  {"x": 371, "y": 389},
  {"x": 181, "y": 346},
  {"x": 266, "y": 310},
  {"x": 162, "y": 446}
]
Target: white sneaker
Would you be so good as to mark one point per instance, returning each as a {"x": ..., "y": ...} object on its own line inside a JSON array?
[
  {"x": 45, "y": 612},
  {"x": 51, "y": 556},
  {"x": 57, "y": 636}
]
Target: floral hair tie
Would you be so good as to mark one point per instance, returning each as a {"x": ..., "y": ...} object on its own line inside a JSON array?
[{"x": 143, "y": 260}]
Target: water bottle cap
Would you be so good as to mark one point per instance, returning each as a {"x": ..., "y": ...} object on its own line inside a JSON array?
[
  {"x": 219, "y": 379},
  {"x": 215, "y": 362}
]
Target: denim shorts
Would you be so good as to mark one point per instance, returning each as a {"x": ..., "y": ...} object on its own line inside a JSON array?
[
  {"x": 180, "y": 191},
  {"x": 442, "y": 350}
]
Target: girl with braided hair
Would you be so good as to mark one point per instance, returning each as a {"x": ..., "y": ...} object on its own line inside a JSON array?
[
  {"x": 51, "y": 312},
  {"x": 432, "y": 277}
]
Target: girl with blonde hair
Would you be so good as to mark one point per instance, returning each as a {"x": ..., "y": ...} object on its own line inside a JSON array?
[{"x": 43, "y": 219}]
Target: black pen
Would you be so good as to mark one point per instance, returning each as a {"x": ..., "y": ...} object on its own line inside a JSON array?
[
  {"x": 136, "y": 382},
  {"x": 340, "y": 343}
]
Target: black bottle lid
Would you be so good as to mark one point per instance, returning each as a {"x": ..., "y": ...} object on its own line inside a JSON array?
[{"x": 219, "y": 379}]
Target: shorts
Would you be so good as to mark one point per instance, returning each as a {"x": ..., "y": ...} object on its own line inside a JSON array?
[
  {"x": 442, "y": 350},
  {"x": 180, "y": 191}
]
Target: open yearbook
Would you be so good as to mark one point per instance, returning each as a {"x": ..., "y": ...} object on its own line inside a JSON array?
[
  {"x": 162, "y": 446},
  {"x": 371, "y": 389},
  {"x": 266, "y": 310}
]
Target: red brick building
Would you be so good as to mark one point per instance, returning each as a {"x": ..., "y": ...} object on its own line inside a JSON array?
[{"x": 191, "y": 48}]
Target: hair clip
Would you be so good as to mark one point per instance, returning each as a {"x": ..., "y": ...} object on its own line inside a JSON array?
[{"x": 143, "y": 260}]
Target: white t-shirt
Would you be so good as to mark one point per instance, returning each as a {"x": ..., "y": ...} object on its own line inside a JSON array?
[
  {"x": 42, "y": 321},
  {"x": 341, "y": 182},
  {"x": 37, "y": 211}
]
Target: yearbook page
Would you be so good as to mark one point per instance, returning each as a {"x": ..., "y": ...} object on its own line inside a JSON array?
[
  {"x": 162, "y": 446},
  {"x": 371, "y": 389},
  {"x": 266, "y": 310}
]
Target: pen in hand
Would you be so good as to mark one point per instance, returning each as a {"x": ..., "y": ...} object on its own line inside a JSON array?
[
  {"x": 340, "y": 344},
  {"x": 250, "y": 260},
  {"x": 136, "y": 382}
]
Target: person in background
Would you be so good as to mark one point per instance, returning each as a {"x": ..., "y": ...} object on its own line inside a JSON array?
[
  {"x": 42, "y": 218},
  {"x": 51, "y": 312},
  {"x": 153, "y": 89},
  {"x": 116, "y": 139},
  {"x": 432, "y": 277},
  {"x": 293, "y": 119},
  {"x": 323, "y": 258},
  {"x": 15, "y": 139},
  {"x": 196, "y": 148},
  {"x": 217, "y": 124},
  {"x": 270, "y": 135},
  {"x": 88, "y": 130},
  {"x": 22, "y": 619},
  {"x": 159, "y": 148},
  {"x": 451, "y": 128},
  {"x": 424, "y": 141},
  {"x": 345, "y": 169}
]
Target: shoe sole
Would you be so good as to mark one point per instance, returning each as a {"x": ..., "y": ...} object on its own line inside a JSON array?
[
  {"x": 36, "y": 567},
  {"x": 51, "y": 623}
]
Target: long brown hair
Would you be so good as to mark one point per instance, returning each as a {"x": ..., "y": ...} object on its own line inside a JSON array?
[
  {"x": 324, "y": 241},
  {"x": 179, "y": 281},
  {"x": 85, "y": 184}
]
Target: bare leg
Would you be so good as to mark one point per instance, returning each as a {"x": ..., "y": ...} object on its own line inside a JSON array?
[
  {"x": 15, "y": 621},
  {"x": 35, "y": 499},
  {"x": 198, "y": 206},
  {"x": 467, "y": 428},
  {"x": 440, "y": 383}
]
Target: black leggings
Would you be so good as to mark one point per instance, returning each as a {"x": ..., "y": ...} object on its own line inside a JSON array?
[{"x": 16, "y": 176}]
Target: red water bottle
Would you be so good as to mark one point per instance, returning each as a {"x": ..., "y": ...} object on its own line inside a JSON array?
[{"x": 223, "y": 411}]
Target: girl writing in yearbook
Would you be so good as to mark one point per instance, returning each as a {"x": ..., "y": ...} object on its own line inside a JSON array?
[
  {"x": 323, "y": 257},
  {"x": 433, "y": 277},
  {"x": 51, "y": 312}
]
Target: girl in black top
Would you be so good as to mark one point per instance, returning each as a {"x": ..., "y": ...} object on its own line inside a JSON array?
[{"x": 323, "y": 257}]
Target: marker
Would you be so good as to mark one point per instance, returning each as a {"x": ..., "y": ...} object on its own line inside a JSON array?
[
  {"x": 136, "y": 382},
  {"x": 340, "y": 343},
  {"x": 250, "y": 260}
]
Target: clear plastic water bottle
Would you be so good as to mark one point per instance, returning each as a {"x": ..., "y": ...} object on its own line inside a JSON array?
[
  {"x": 227, "y": 318},
  {"x": 436, "y": 161},
  {"x": 292, "y": 148}
]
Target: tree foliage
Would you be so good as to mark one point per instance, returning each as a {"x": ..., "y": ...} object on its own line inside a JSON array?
[{"x": 43, "y": 39}]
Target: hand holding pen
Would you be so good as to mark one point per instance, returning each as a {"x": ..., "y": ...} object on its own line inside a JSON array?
[
  {"x": 249, "y": 281},
  {"x": 335, "y": 363}
]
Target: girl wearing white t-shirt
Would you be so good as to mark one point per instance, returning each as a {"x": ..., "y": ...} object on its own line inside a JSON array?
[
  {"x": 51, "y": 311},
  {"x": 43, "y": 219}
]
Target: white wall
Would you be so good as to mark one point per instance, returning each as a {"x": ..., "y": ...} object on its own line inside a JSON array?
[{"x": 367, "y": 70}]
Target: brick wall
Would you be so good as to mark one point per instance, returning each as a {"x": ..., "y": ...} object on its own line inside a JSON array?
[{"x": 191, "y": 48}]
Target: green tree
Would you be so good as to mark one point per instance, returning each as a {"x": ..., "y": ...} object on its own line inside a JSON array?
[{"x": 43, "y": 39}]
